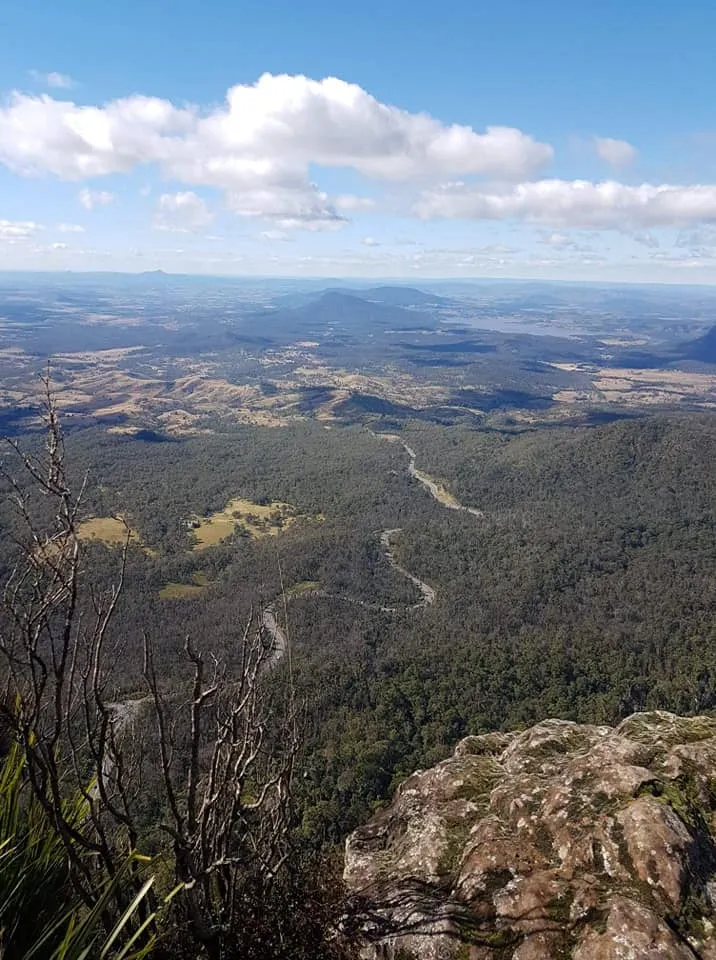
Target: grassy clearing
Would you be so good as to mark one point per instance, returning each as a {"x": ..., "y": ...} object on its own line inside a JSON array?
[
  {"x": 174, "y": 591},
  {"x": 256, "y": 519},
  {"x": 305, "y": 586},
  {"x": 110, "y": 530},
  {"x": 441, "y": 491}
]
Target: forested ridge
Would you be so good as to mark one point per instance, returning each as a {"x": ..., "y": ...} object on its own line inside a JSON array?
[{"x": 585, "y": 592}]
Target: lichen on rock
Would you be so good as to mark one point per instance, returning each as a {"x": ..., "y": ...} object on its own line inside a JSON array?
[{"x": 564, "y": 840}]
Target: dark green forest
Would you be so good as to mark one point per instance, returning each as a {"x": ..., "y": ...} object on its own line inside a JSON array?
[{"x": 585, "y": 592}]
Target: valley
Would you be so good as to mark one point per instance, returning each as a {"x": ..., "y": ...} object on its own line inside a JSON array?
[
  {"x": 457, "y": 529},
  {"x": 163, "y": 362}
]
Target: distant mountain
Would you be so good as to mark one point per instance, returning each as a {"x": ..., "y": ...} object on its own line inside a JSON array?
[
  {"x": 348, "y": 313},
  {"x": 389, "y": 295},
  {"x": 403, "y": 297}
]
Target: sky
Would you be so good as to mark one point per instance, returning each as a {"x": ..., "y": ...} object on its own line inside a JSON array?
[{"x": 547, "y": 139}]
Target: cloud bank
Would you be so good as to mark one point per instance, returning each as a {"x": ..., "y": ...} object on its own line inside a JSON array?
[
  {"x": 607, "y": 205},
  {"x": 259, "y": 144},
  {"x": 265, "y": 145}
]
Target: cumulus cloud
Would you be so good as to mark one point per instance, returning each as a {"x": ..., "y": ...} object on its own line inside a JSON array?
[
  {"x": 566, "y": 243},
  {"x": 70, "y": 228},
  {"x": 94, "y": 198},
  {"x": 260, "y": 144},
  {"x": 14, "y": 231},
  {"x": 333, "y": 123},
  {"x": 289, "y": 202},
  {"x": 574, "y": 203},
  {"x": 182, "y": 212},
  {"x": 618, "y": 153},
  {"x": 557, "y": 240},
  {"x": 370, "y": 242},
  {"x": 44, "y": 135}
]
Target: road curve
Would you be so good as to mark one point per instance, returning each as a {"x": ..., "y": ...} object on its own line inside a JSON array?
[
  {"x": 430, "y": 485},
  {"x": 269, "y": 621}
]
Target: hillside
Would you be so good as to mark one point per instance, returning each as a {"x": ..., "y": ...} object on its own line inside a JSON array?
[
  {"x": 585, "y": 592},
  {"x": 348, "y": 313},
  {"x": 404, "y": 297},
  {"x": 703, "y": 349}
]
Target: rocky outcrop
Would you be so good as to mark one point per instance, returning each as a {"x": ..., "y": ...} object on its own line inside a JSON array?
[{"x": 594, "y": 843}]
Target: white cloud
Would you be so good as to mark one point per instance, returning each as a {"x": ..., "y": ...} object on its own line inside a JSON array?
[
  {"x": 291, "y": 204},
  {"x": 260, "y": 144},
  {"x": 182, "y": 212},
  {"x": 333, "y": 123},
  {"x": 14, "y": 231},
  {"x": 94, "y": 198},
  {"x": 59, "y": 80},
  {"x": 700, "y": 239},
  {"x": 646, "y": 240},
  {"x": 370, "y": 242},
  {"x": 618, "y": 153},
  {"x": 44, "y": 135},
  {"x": 566, "y": 243},
  {"x": 557, "y": 240},
  {"x": 55, "y": 80},
  {"x": 574, "y": 203},
  {"x": 70, "y": 228},
  {"x": 275, "y": 236},
  {"x": 350, "y": 203}
]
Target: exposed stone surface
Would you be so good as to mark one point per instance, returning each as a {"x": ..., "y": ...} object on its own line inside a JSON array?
[{"x": 564, "y": 840}]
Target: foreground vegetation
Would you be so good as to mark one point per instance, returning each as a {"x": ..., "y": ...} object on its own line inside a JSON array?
[{"x": 198, "y": 773}]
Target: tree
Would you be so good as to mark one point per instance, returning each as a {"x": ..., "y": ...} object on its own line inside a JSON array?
[{"x": 214, "y": 761}]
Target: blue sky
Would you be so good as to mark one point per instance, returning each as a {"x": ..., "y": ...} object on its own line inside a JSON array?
[{"x": 538, "y": 139}]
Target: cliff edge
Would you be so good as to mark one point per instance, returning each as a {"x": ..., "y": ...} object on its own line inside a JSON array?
[{"x": 562, "y": 841}]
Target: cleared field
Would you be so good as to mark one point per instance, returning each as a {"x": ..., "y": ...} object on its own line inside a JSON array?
[
  {"x": 643, "y": 387},
  {"x": 174, "y": 591},
  {"x": 177, "y": 591},
  {"x": 110, "y": 530},
  {"x": 256, "y": 519},
  {"x": 113, "y": 532}
]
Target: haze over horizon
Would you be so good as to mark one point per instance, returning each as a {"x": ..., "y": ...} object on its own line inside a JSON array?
[{"x": 511, "y": 140}]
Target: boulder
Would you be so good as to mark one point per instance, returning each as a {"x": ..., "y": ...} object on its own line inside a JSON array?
[{"x": 564, "y": 840}]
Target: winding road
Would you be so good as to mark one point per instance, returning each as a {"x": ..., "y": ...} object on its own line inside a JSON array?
[
  {"x": 128, "y": 711},
  {"x": 430, "y": 485},
  {"x": 269, "y": 620}
]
